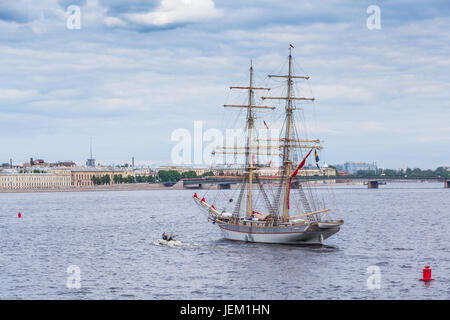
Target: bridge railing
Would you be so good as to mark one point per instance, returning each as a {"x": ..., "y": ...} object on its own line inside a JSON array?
[{"x": 237, "y": 179}]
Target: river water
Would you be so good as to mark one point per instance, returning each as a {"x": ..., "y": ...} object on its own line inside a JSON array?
[{"x": 111, "y": 237}]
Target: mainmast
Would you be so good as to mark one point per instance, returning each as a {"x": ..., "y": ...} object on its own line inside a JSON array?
[
  {"x": 288, "y": 137},
  {"x": 287, "y": 163}
]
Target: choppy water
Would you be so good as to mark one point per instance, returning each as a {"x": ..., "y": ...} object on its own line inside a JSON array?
[{"x": 111, "y": 237}]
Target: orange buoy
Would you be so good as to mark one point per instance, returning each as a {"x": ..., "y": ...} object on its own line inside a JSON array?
[
  {"x": 427, "y": 274},
  {"x": 19, "y": 215}
]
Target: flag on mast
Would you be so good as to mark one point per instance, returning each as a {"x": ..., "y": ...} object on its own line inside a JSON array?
[{"x": 316, "y": 156}]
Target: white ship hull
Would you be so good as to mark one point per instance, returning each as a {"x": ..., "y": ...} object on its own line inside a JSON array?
[{"x": 307, "y": 234}]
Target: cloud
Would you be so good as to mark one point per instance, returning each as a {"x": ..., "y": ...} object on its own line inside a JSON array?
[
  {"x": 342, "y": 93},
  {"x": 12, "y": 96},
  {"x": 115, "y": 7},
  {"x": 13, "y": 11},
  {"x": 168, "y": 13},
  {"x": 66, "y": 3},
  {"x": 131, "y": 88},
  {"x": 113, "y": 22}
]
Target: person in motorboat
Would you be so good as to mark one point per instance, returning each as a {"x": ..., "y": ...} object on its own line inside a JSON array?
[{"x": 167, "y": 237}]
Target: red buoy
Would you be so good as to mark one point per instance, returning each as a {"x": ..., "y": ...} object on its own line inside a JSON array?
[
  {"x": 19, "y": 215},
  {"x": 427, "y": 274}
]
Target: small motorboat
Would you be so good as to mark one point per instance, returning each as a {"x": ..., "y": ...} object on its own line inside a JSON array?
[
  {"x": 170, "y": 243},
  {"x": 168, "y": 239}
]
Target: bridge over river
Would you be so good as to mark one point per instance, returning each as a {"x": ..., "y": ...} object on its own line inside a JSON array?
[{"x": 225, "y": 182}]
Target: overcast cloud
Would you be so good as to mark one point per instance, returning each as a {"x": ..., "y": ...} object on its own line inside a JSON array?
[{"x": 137, "y": 70}]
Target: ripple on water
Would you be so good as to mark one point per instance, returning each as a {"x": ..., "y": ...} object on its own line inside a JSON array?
[{"x": 110, "y": 236}]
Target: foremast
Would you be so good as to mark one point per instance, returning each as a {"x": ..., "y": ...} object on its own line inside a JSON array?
[
  {"x": 248, "y": 149},
  {"x": 249, "y": 165}
]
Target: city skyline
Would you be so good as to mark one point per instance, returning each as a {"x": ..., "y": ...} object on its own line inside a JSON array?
[
  {"x": 155, "y": 164},
  {"x": 131, "y": 75}
]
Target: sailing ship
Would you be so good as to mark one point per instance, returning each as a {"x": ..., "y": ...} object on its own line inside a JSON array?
[{"x": 282, "y": 210}]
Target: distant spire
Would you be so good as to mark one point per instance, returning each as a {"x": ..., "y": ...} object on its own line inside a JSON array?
[{"x": 90, "y": 162}]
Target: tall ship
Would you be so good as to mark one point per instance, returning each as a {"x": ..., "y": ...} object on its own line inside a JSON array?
[{"x": 282, "y": 208}]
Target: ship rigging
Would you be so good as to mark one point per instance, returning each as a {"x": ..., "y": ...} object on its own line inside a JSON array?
[{"x": 263, "y": 212}]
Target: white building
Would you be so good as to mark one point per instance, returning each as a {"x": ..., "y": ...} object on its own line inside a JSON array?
[{"x": 58, "y": 178}]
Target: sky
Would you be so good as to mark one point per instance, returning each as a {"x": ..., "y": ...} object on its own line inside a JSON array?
[{"x": 135, "y": 71}]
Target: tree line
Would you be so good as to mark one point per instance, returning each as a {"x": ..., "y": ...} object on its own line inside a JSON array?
[
  {"x": 175, "y": 176},
  {"x": 162, "y": 176},
  {"x": 119, "y": 179},
  {"x": 440, "y": 172}
]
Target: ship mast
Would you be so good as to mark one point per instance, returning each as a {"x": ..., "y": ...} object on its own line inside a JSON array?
[
  {"x": 249, "y": 165},
  {"x": 249, "y": 160},
  {"x": 287, "y": 163},
  {"x": 286, "y": 147}
]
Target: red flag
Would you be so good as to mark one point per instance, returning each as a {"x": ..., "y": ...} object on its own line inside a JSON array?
[
  {"x": 266, "y": 125},
  {"x": 295, "y": 173}
]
